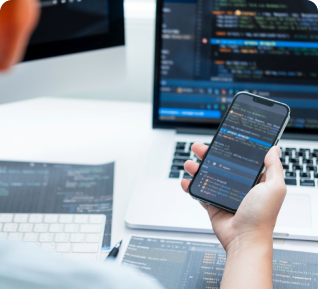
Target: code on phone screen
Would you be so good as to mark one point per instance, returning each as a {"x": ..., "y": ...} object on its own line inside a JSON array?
[{"x": 237, "y": 154}]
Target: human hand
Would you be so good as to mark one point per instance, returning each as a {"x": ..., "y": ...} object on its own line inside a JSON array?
[
  {"x": 256, "y": 217},
  {"x": 17, "y": 21}
]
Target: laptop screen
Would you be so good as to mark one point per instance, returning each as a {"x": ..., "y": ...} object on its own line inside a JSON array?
[{"x": 208, "y": 50}]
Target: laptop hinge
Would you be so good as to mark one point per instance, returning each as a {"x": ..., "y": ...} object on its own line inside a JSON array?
[
  {"x": 204, "y": 131},
  {"x": 300, "y": 136}
]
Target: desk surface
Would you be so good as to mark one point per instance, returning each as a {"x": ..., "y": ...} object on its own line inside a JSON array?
[{"x": 91, "y": 132}]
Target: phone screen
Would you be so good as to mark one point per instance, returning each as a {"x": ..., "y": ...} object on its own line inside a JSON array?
[{"x": 236, "y": 156}]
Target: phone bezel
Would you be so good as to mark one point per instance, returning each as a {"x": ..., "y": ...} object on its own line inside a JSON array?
[{"x": 253, "y": 96}]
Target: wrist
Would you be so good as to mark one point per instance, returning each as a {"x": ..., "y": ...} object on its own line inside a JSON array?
[
  {"x": 249, "y": 262},
  {"x": 251, "y": 241}
]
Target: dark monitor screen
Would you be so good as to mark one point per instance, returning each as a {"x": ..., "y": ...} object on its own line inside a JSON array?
[
  {"x": 71, "y": 26},
  {"x": 208, "y": 50}
]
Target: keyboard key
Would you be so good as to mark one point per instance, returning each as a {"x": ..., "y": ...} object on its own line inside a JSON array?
[
  {"x": 6, "y": 218},
  {"x": 30, "y": 237},
  {"x": 177, "y": 168},
  {"x": 178, "y": 161},
  {"x": 300, "y": 154},
  {"x": 15, "y": 236},
  {"x": 307, "y": 183},
  {"x": 187, "y": 176},
  {"x": 36, "y": 218},
  {"x": 46, "y": 237},
  {"x": 290, "y": 174},
  {"x": 304, "y": 150},
  {"x": 77, "y": 238},
  {"x": 287, "y": 153},
  {"x": 81, "y": 219},
  {"x": 25, "y": 228},
  {"x": 184, "y": 155},
  {"x": 62, "y": 238},
  {"x": 174, "y": 175},
  {"x": 10, "y": 227},
  {"x": 180, "y": 147},
  {"x": 96, "y": 219},
  {"x": 51, "y": 218},
  {"x": 56, "y": 228},
  {"x": 290, "y": 149},
  {"x": 181, "y": 143},
  {"x": 286, "y": 167},
  {"x": 93, "y": 238},
  {"x": 63, "y": 248},
  {"x": 311, "y": 168},
  {"x": 48, "y": 246},
  {"x": 291, "y": 182},
  {"x": 20, "y": 218},
  {"x": 41, "y": 228},
  {"x": 71, "y": 228},
  {"x": 316, "y": 176},
  {"x": 305, "y": 175},
  {"x": 64, "y": 219},
  {"x": 297, "y": 167},
  {"x": 307, "y": 161},
  {"x": 3, "y": 236},
  {"x": 91, "y": 228},
  {"x": 294, "y": 161},
  {"x": 282, "y": 160},
  {"x": 85, "y": 248},
  {"x": 34, "y": 244}
]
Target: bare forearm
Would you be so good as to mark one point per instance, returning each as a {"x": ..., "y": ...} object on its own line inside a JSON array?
[{"x": 249, "y": 266}]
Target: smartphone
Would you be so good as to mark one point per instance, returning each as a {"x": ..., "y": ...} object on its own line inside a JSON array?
[{"x": 235, "y": 159}]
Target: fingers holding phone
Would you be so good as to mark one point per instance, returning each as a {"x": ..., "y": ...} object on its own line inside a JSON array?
[{"x": 192, "y": 167}]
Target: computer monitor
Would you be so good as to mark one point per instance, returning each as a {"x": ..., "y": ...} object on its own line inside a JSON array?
[
  {"x": 208, "y": 50},
  {"x": 66, "y": 53}
]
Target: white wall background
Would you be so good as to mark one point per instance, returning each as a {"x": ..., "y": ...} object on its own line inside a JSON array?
[{"x": 140, "y": 32}]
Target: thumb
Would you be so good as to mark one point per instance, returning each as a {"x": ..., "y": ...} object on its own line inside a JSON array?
[{"x": 274, "y": 168}]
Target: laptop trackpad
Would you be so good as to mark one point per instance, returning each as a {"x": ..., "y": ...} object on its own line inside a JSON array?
[{"x": 295, "y": 212}]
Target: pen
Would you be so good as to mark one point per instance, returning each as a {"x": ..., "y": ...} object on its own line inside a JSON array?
[{"x": 114, "y": 252}]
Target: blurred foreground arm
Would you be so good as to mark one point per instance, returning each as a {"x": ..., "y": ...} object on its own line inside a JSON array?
[{"x": 18, "y": 18}]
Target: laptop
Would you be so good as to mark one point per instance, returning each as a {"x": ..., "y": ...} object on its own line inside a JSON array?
[{"x": 206, "y": 51}]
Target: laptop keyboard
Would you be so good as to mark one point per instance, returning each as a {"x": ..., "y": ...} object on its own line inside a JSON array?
[
  {"x": 70, "y": 235},
  {"x": 300, "y": 164}
]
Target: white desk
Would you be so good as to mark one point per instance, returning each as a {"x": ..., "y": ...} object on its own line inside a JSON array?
[{"x": 91, "y": 132}]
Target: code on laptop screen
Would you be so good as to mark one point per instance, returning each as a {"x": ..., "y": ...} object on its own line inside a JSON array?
[{"x": 212, "y": 49}]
